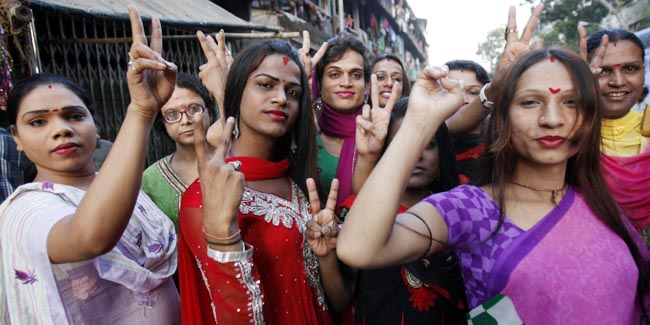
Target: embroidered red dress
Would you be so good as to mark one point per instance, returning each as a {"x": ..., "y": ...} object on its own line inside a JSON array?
[{"x": 275, "y": 280}]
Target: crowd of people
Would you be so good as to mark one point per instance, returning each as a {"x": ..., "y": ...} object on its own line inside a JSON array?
[{"x": 328, "y": 188}]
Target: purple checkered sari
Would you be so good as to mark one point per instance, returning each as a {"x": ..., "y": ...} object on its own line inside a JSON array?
[{"x": 558, "y": 271}]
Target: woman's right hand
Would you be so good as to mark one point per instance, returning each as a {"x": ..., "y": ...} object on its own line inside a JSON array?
[
  {"x": 150, "y": 78},
  {"x": 518, "y": 46},
  {"x": 598, "y": 57},
  {"x": 222, "y": 184}
]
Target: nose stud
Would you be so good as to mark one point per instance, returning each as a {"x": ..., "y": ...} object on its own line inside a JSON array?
[{"x": 541, "y": 119}]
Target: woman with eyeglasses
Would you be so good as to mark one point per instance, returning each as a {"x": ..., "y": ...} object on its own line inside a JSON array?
[{"x": 166, "y": 179}]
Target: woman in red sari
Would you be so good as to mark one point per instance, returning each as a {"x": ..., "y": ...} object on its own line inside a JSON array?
[{"x": 243, "y": 256}]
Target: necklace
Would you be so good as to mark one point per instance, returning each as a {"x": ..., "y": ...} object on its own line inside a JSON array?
[{"x": 555, "y": 193}]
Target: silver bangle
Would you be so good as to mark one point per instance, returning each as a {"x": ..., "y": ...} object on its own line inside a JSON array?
[
  {"x": 484, "y": 101},
  {"x": 228, "y": 257}
]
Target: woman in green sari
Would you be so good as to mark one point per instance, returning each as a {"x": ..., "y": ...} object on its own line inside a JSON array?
[{"x": 166, "y": 179}]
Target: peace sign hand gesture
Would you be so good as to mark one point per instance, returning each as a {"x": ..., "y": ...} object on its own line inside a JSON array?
[
  {"x": 322, "y": 229},
  {"x": 222, "y": 185},
  {"x": 150, "y": 78},
  {"x": 598, "y": 56},
  {"x": 518, "y": 46},
  {"x": 372, "y": 124},
  {"x": 309, "y": 62},
  {"x": 214, "y": 73}
]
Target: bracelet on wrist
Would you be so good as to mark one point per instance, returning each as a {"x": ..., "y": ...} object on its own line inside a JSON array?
[
  {"x": 230, "y": 243},
  {"x": 220, "y": 238},
  {"x": 487, "y": 104}
]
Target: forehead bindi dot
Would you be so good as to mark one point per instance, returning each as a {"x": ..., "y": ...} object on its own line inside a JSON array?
[
  {"x": 307, "y": 54},
  {"x": 554, "y": 90},
  {"x": 461, "y": 71},
  {"x": 552, "y": 59},
  {"x": 614, "y": 44},
  {"x": 617, "y": 65},
  {"x": 49, "y": 86},
  {"x": 285, "y": 60},
  {"x": 55, "y": 110}
]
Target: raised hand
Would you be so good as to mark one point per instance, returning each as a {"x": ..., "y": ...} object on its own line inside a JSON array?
[
  {"x": 322, "y": 229},
  {"x": 372, "y": 124},
  {"x": 309, "y": 62},
  {"x": 598, "y": 57},
  {"x": 150, "y": 78},
  {"x": 222, "y": 185},
  {"x": 434, "y": 98},
  {"x": 517, "y": 46},
  {"x": 214, "y": 73}
]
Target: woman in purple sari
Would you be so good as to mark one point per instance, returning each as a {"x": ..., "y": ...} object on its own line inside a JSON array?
[{"x": 541, "y": 239}]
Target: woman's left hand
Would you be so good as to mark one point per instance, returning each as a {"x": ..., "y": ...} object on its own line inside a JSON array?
[
  {"x": 150, "y": 78},
  {"x": 322, "y": 229},
  {"x": 214, "y": 73},
  {"x": 372, "y": 124}
]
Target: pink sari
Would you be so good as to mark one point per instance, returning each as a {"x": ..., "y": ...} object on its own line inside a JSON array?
[
  {"x": 568, "y": 268},
  {"x": 627, "y": 178}
]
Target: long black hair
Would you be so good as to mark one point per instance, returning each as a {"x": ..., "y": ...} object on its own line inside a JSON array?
[{"x": 302, "y": 163}]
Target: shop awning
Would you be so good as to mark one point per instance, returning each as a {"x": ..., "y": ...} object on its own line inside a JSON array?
[{"x": 183, "y": 12}]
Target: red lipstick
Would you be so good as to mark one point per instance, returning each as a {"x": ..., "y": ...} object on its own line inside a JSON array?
[
  {"x": 551, "y": 141},
  {"x": 66, "y": 148}
]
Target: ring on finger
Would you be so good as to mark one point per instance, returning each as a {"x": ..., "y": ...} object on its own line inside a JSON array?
[
  {"x": 236, "y": 165},
  {"x": 510, "y": 30},
  {"x": 132, "y": 66}
]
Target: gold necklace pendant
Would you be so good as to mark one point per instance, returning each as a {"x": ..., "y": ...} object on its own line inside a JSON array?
[{"x": 555, "y": 193}]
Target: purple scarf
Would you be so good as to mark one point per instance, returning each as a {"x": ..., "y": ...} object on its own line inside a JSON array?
[{"x": 339, "y": 125}]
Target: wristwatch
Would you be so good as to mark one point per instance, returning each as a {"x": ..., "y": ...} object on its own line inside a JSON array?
[{"x": 484, "y": 101}]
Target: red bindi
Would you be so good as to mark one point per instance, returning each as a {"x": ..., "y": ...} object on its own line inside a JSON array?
[
  {"x": 552, "y": 59},
  {"x": 614, "y": 44},
  {"x": 55, "y": 110},
  {"x": 553, "y": 90},
  {"x": 307, "y": 54},
  {"x": 285, "y": 60},
  {"x": 617, "y": 65},
  {"x": 461, "y": 71},
  {"x": 49, "y": 86}
]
